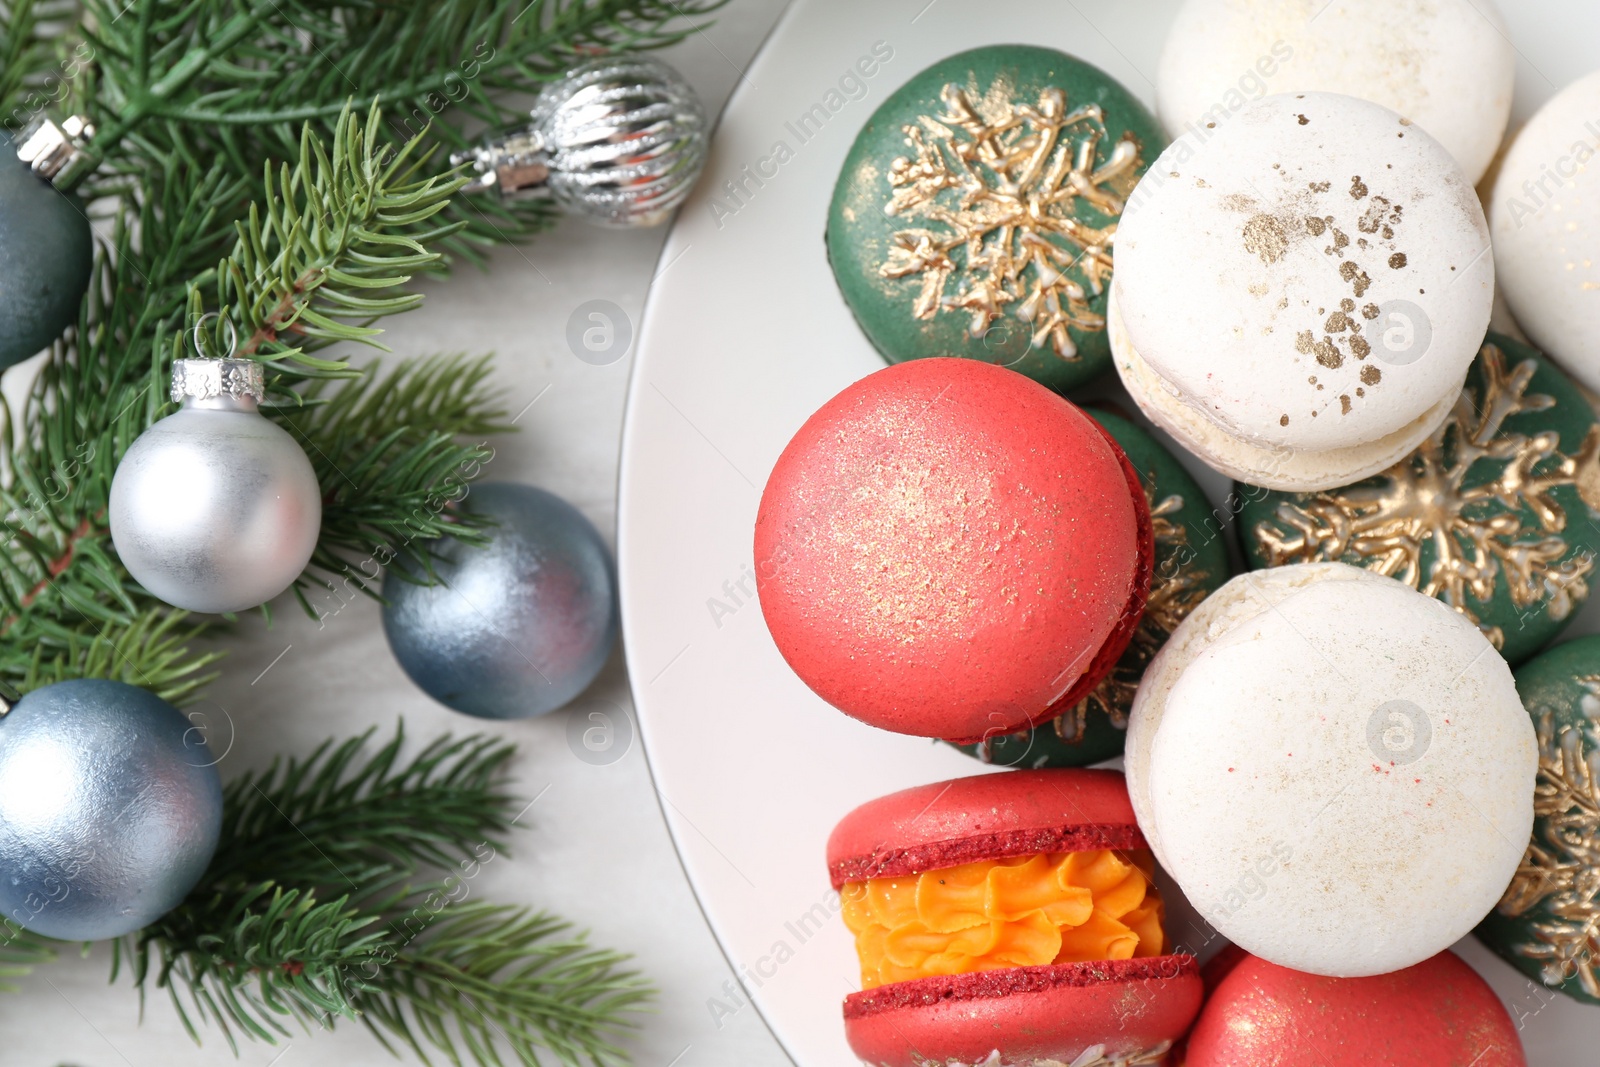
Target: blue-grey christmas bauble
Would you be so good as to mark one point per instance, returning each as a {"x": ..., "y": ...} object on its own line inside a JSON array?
[
  {"x": 110, "y": 809},
  {"x": 46, "y": 254},
  {"x": 517, "y": 627}
]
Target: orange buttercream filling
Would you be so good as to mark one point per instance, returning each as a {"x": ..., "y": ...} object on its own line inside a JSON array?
[{"x": 1020, "y": 911}]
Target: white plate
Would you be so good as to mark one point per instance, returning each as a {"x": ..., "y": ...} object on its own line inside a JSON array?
[{"x": 745, "y": 336}]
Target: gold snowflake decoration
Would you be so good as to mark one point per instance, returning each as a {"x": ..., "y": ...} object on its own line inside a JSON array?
[
  {"x": 1019, "y": 171},
  {"x": 1561, "y": 868},
  {"x": 1476, "y": 532},
  {"x": 1589, "y": 703}
]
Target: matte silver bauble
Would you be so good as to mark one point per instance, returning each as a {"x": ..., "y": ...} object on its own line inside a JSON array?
[
  {"x": 619, "y": 141},
  {"x": 215, "y": 508},
  {"x": 519, "y": 626},
  {"x": 110, "y": 809}
]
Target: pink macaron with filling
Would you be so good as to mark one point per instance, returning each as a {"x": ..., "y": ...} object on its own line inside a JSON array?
[{"x": 1010, "y": 915}]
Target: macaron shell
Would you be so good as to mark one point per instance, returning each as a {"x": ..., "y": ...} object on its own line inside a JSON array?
[
  {"x": 1028, "y": 1014},
  {"x": 930, "y": 303},
  {"x": 1342, "y": 784},
  {"x": 985, "y": 816},
  {"x": 1438, "y": 1013},
  {"x": 947, "y": 548},
  {"x": 1445, "y": 64},
  {"x": 1545, "y": 216},
  {"x": 1269, "y": 466},
  {"x": 1128, "y": 620},
  {"x": 1260, "y": 274},
  {"x": 1244, "y": 597},
  {"x": 1191, "y": 561}
]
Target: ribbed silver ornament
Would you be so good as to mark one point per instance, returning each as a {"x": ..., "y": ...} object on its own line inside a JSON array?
[{"x": 619, "y": 141}]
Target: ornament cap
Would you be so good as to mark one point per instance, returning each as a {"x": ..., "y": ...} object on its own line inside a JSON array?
[
  {"x": 56, "y": 151},
  {"x": 211, "y": 379},
  {"x": 512, "y": 165}
]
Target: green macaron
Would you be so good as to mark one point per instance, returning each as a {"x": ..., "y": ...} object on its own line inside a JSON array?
[
  {"x": 1191, "y": 561},
  {"x": 1497, "y": 513},
  {"x": 976, "y": 212},
  {"x": 1547, "y": 924}
]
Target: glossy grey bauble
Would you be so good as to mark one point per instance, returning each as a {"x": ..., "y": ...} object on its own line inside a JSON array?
[
  {"x": 110, "y": 809},
  {"x": 519, "y": 626}
]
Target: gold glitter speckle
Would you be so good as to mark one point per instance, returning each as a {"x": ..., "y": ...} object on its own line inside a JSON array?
[
  {"x": 1328, "y": 355},
  {"x": 1351, "y": 272},
  {"x": 1263, "y": 236}
]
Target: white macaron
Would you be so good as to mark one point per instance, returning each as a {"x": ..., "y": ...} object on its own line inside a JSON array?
[
  {"x": 1545, "y": 218},
  {"x": 1299, "y": 295},
  {"x": 1446, "y": 65},
  {"x": 1334, "y": 767}
]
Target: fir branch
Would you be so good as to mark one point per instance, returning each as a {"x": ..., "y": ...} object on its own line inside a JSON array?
[
  {"x": 150, "y": 650},
  {"x": 280, "y": 64},
  {"x": 327, "y": 252},
  {"x": 320, "y": 902},
  {"x": 304, "y": 821},
  {"x": 320, "y": 250},
  {"x": 275, "y": 955},
  {"x": 20, "y": 953},
  {"x": 484, "y": 975},
  {"x": 458, "y": 65},
  {"x": 310, "y": 912},
  {"x": 35, "y": 57},
  {"x": 407, "y": 445}
]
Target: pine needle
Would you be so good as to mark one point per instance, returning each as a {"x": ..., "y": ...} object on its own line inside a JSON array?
[{"x": 341, "y": 891}]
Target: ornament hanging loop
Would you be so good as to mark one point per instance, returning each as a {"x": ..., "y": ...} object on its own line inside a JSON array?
[
  {"x": 198, "y": 336},
  {"x": 217, "y": 381}
]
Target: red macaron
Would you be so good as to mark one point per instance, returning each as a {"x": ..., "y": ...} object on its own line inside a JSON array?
[
  {"x": 1010, "y": 914},
  {"x": 1438, "y": 1012},
  {"x": 948, "y": 549}
]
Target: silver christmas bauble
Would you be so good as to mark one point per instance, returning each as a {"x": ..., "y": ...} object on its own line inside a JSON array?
[
  {"x": 110, "y": 809},
  {"x": 215, "y": 508},
  {"x": 519, "y": 626},
  {"x": 619, "y": 141}
]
